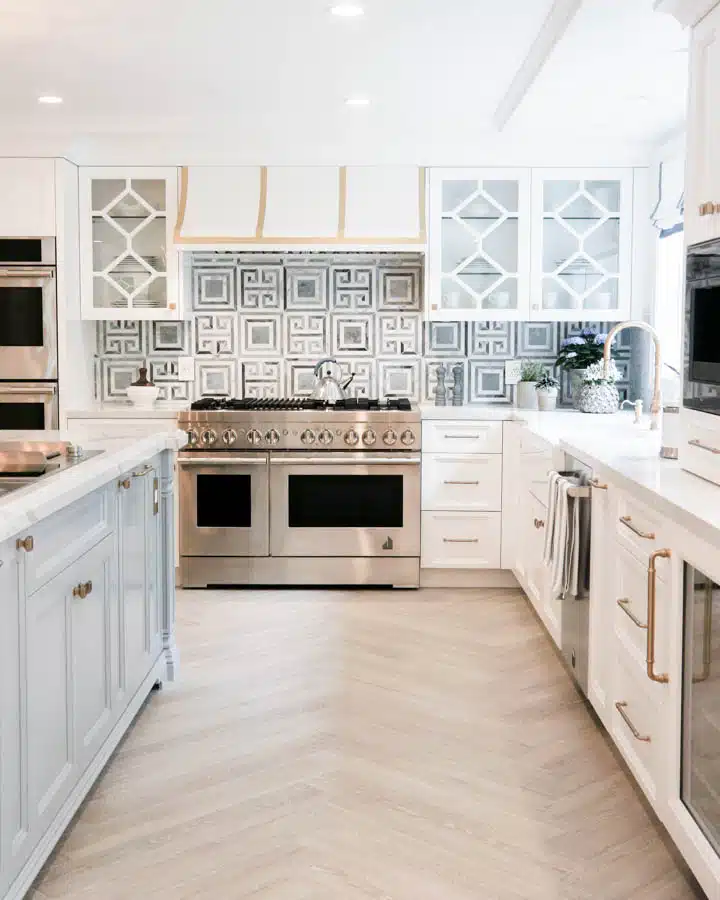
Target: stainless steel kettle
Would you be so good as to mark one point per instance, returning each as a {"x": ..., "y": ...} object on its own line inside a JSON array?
[{"x": 327, "y": 385}]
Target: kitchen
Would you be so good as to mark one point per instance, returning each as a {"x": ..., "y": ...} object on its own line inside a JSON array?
[{"x": 307, "y": 587}]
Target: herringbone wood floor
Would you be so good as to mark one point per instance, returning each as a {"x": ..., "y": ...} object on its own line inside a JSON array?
[{"x": 364, "y": 746}]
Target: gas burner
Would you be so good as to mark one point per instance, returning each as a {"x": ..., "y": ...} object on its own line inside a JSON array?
[{"x": 280, "y": 404}]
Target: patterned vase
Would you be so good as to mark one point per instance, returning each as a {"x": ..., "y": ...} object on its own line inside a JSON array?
[{"x": 599, "y": 398}]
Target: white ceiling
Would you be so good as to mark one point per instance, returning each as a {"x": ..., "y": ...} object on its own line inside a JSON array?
[{"x": 265, "y": 80}]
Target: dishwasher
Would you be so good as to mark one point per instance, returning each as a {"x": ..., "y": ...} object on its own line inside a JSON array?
[{"x": 575, "y": 608}]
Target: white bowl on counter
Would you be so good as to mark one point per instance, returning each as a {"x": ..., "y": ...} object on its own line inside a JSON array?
[{"x": 143, "y": 396}]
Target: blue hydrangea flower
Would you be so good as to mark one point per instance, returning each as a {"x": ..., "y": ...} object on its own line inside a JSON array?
[
  {"x": 570, "y": 355},
  {"x": 588, "y": 332},
  {"x": 600, "y": 338},
  {"x": 573, "y": 342}
]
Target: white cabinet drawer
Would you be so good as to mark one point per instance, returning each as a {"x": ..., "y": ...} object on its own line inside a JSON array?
[
  {"x": 639, "y": 530},
  {"x": 462, "y": 437},
  {"x": 637, "y": 725},
  {"x": 457, "y": 540},
  {"x": 56, "y": 542},
  {"x": 700, "y": 447},
  {"x": 471, "y": 482}
]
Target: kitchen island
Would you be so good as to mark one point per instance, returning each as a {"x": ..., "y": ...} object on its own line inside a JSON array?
[{"x": 87, "y": 612}]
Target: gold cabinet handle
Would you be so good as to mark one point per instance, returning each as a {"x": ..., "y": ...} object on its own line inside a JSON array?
[
  {"x": 628, "y": 523},
  {"x": 596, "y": 484},
  {"x": 624, "y": 605},
  {"x": 156, "y": 496},
  {"x": 708, "y": 208},
  {"x": 707, "y": 635},
  {"x": 621, "y": 706},
  {"x": 462, "y": 482},
  {"x": 145, "y": 469},
  {"x": 652, "y": 596},
  {"x": 27, "y": 544},
  {"x": 538, "y": 523},
  {"x": 699, "y": 444},
  {"x": 82, "y": 590},
  {"x": 124, "y": 484},
  {"x": 461, "y": 540}
]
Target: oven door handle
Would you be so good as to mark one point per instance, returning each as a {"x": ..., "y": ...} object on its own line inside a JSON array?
[
  {"x": 24, "y": 274},
  {"x": 339, "y": 461},
  {"x": 213, "y": 461}
]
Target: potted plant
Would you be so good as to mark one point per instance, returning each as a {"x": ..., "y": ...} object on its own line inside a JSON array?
[
  {"x": 525, "y": 394},
  {"x": 547, "y": 391},
  {"x": 577, "y": 353},
  {"x": 598, "y": 393}
]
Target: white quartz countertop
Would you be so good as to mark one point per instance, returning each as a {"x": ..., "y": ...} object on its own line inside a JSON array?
[
  {"x": 123, "y": 409},
  {"x": 21, "y": 508}
]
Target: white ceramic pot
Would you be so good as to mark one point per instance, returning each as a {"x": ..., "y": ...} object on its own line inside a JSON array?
[
  {"x": 547, "y": 399},
  {"x": 599, "y": 398},
  {"x": 143, "y": 396},
  {"x": 526, "y": 395}
]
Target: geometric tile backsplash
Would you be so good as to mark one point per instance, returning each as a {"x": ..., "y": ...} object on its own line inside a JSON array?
[{"x": 259, "y": 322}]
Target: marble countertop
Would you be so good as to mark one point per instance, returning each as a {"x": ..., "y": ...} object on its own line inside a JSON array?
[
  {"x": 123, "y": 409},
  {"x": 20, "y": 509}
]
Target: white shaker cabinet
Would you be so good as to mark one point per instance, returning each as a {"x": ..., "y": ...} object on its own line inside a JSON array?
[
  {"x": 27, "y": 189},
  {"x": 582, "y": 238},
  {"x": 128, "y": 261},
  {"x": 702, "y": 206}
]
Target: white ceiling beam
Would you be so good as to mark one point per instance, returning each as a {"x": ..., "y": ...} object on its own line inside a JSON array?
[
  {"x": 553, "y": 28},
  {"x": 687, "y": 12}
]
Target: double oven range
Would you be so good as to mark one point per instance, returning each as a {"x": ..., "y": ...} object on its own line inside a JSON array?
[{"x": 300, "y": 492}]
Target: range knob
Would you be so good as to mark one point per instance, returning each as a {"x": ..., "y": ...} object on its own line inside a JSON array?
[
  {"x": 192, "y": 437},
  {"x": 407, "y": 437},
  {"x": 254, "y": 437},
  {"x": 229, "y": 436},
  {"x": 351, "y": 438},
  {"x": 208, "y": 437},
  {"x": 307, "y": 437},
  {"x": 369, "y": 437},
  {"x": 272, "y": 437},
  {"x": 325, "y": 437},
  {"x": 390, "y": 437}
]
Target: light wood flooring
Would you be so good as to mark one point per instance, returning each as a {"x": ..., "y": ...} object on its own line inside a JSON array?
[{"x": 364, "y": 746}]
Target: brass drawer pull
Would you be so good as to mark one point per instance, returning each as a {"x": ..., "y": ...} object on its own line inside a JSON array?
[
  {"x": 27, "y": 544},
  {"x": 462, "y": 482},
  {"x": 461, "y": 540},
  {"x": 699, "y": 444},
  {"x": 596, "y": 484},
  {"x": 538, "y": 523},
  {"x": 124, "y": 484},
  {"x": 624, "y": 605},
  {"x": 628, "y": 523},
  {"x": 145, "y": 469},
  {"x": 82, "y": 590},
  {"x": 620, "y": 706},
  {"x": 652, "y": 596}
]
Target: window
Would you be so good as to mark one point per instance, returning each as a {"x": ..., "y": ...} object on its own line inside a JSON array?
[{"x": 669, "y": 297}]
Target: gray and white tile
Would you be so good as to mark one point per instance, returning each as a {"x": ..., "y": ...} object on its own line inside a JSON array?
[
  {"x": 299, "y": 378},
  {"x": 364, "y": 372},
  {"x": 352, "y": 288},
  {"x": 399, "y": 378},
  {"x": 306, "y": 334},
  {"x": 262, "y": 288},
  {"x": 491, "y": 340},
  {"x": 538, "y": 339},
  {"x": 306, "y": 288},
  {"x": 216, "y": 378},
  {"x": 486, "y": 382},
  {"x": 352, "y": 335},
  {"x": 429, "y": 376},
  {"x": 261, "y": 335},
  {"x": 170, "y": 337},
  {"x": 114, "y": 377},
  {"x": 400, "y": 288},
  {"x": 398, "y": 334},
  {"x": 262, "y": 379},
  {"x": 215, "y": 334},
  {"x": 445, "y": 339},
  {"x": 122, "y": 338},
  {"x": 213, "y": 288}
]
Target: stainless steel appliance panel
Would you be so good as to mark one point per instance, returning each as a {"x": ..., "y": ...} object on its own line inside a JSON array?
[
  {"x": 345, "y": 504},
  {"x": 28, "y": 406},
  {"x": 28, "y": 322},
  {"x": 225, "y": 505}
]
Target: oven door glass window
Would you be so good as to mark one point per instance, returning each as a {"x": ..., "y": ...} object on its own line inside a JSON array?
[
  {"x": 21, "y": 316},
  {"x": 22, "y": 416},
  {"x": 224, "y": 501},
  {"x": 345, "y": 501}
]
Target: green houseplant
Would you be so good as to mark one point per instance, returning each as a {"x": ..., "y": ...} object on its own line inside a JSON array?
[
  {"x": 547, "y": 392},
  {"x": 525, "y": 394},
  {"x": 577, "y": 353}
]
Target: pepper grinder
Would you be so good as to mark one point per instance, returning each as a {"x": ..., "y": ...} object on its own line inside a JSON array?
[
  {"x": 458, "y": 391},
  {"x": 440, "y": 389}
]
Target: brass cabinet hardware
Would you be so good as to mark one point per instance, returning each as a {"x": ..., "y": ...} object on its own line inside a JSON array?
[
  {"x": 156, "y": 496},
  {"x": 461, "y": 540},
  {"x": 707, "y": 634},
  {"x": 621, "y": 706},
  {"x": 596, "y": 484},
  {"x": 652, "y": 596},
  {"x": 145, "y": 469},
  {"x": 624, "y": 605},
  {"x": 538, "y": 523},
  {"x": 462, "y": 482},
  {"x": 124, "y": 484},
  {"x": 628, "y": 523},
  {"x": 699, "y": 444},
  {"x": 82, "y": 590},
  {"x": 27, "y": 544},
  {"x": 708, "y": 208}
]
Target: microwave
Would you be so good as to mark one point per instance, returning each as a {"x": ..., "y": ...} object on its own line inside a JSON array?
[{"x": 702, "y": 328}]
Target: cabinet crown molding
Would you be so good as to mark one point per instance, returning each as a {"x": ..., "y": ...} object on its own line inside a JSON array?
[{"x": 687, "y": 12}]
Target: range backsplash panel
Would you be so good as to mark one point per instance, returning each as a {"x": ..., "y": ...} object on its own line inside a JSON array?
[{"x": 259, "y": 323}]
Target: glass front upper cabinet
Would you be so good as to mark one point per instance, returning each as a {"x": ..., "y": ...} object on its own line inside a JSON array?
[
  {"x": 479, "y": 252},
  {"x": 582, "y": 244},
  {"x": 129, "y": 267}
]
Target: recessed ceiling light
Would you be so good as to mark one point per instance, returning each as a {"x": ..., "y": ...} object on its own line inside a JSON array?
[
  {"x": 50, "y": 99},
  {"x": 347, "y": 10},
  {"x": 358, "y": 100}
]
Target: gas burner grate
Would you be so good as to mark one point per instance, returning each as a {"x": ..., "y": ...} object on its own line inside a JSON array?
[{"x": 284, "y": 404}]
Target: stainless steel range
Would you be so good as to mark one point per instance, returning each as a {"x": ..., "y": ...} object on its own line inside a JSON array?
[{"x": 300, "y": 492}]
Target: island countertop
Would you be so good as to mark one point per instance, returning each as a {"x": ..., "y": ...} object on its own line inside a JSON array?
[{"x": 21, "y": 508}]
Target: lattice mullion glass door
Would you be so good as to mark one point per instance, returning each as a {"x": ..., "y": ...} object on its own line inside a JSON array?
[
  {"x": 129, "y": 263},
  {"x": 582, "y": 244},
  {"x": 479, "y": 244}
]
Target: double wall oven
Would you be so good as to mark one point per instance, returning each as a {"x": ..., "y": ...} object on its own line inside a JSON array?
[
  {"x": 28, "y": 334},
  {"x": 323, "y": 500}
]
